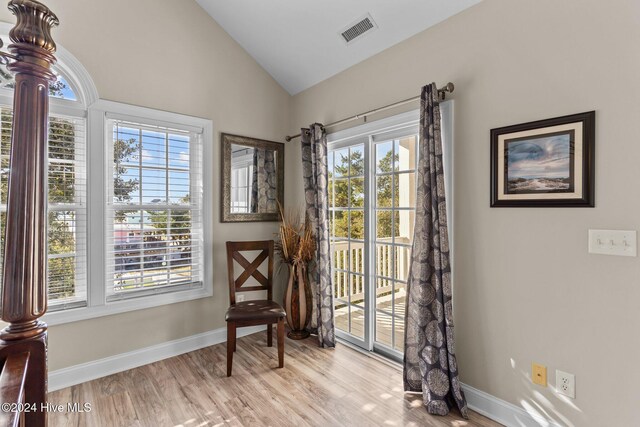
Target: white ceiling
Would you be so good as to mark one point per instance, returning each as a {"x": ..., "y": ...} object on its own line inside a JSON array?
[{"x": 298, "y": 41}]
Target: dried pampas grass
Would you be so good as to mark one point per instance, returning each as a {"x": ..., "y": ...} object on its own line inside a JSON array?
[{"x": 295, "y": 244}]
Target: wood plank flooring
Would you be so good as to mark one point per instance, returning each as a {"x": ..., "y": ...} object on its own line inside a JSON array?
[{"x": 316, "y": 387}]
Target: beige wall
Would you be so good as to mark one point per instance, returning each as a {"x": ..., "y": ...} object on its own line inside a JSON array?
[
  {"x": 526, "y": 288},
  {"x": 168, "y": 55}
]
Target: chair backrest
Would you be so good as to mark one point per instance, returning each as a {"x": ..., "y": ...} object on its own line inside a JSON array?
[{"x": 234, "y": 250}]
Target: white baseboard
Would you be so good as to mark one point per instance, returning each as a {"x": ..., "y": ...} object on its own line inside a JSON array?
[
  {"x": 502, "y": 411},
  {"x": 84, "y": 372},
  {"x": 479, "y": 401}
]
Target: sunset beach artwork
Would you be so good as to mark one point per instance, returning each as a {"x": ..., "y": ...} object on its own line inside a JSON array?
[
  {"x": 541, "y": 164},
  {"x": 546, "y": 163}
]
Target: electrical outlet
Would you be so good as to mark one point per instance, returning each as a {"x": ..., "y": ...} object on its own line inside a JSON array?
[
  {"x": 539, "y": 374},
  {"x": 566, "y": 384},
  {"x": 239, "y": 298}
]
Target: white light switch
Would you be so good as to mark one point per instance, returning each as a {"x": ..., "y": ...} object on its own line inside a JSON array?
[{"x": 612, "y": 242}]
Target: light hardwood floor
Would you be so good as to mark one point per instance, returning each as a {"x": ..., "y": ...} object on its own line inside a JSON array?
[{"x": 316, "y": 387}]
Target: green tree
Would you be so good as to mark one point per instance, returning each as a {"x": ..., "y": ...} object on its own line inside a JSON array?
[
  {"x": 174, "y": 225},
  {"x": 123, "y": 187},
  {"x": 353, "y": 164},
  {"x": 55, "y": 89},
  {"x": 385, "y": 196}
]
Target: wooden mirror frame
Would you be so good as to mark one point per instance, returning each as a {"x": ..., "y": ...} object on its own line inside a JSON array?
[{"x": 227, "y": 141}]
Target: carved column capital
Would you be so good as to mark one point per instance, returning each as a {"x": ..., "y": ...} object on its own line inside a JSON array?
[
  {"x": 31, "y": 39},
  {"x": 35, "y": 21}
]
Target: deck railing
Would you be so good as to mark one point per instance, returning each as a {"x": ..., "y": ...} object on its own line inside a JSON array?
[{"x": 347, "y": 260}]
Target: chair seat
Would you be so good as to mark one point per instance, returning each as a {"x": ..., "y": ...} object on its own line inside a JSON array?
[{"x": 255, "y": 310}]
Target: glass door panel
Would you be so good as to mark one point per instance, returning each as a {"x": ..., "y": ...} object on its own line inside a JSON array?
[
  {"x": 395, "y": 191},
  {"x": 348, "y": 249},
  {"x": 372, "y": 188},
  {"x": 372, "y": 210}
]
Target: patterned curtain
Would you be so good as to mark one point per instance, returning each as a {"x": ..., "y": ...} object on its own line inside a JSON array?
[
  {"x": 263, "y": 188},
  {"x": 315, "y": 176},
  {"x": 429, "y": 357}
]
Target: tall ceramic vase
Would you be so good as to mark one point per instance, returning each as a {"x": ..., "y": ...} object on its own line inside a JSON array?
[{"x": 297, "y": 302}]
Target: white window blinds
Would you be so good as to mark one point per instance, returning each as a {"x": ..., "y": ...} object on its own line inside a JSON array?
[
  {"x": 67, "y": 272},
  {"x": 154, "y": 236}
]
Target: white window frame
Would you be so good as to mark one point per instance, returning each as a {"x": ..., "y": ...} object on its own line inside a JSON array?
[
  {"x": 94, "y": 110},
  {"x": 246, "y": 162},
  {"x": 76, "y": 76},
  {"x": 81, "y": 84},
  {"x": 379, "y": 130},
  {"x": 97, "y": 305},
  {"x": 72, "y": 110}
]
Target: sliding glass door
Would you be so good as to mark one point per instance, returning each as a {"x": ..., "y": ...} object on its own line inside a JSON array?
[
  {"x": 395, "y": 191},
  {"x": 348, "y": 230},
  {"x": 372, "y": 209},
  {"x": 372, "y": 192}
]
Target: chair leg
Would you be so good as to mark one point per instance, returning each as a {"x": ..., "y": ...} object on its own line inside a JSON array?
[
  {"x": 270, "y": 335},
  {"x": 281, "y": 343},
  {"x": 231, "y": 345}
]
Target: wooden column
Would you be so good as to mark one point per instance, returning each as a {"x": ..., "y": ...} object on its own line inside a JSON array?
[{"x": 24, "y": 286}]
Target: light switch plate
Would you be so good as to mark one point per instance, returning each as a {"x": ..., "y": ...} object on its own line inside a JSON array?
[{"x": 613, "y": 242}]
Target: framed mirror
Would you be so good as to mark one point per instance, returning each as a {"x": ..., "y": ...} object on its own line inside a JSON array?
[{"x": 252, "y": 179}]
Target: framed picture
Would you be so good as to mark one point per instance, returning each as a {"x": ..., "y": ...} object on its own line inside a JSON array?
[{"x": 547, "y": 163}]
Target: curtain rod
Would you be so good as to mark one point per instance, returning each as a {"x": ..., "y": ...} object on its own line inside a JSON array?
[{"x": 449, "y": 87}]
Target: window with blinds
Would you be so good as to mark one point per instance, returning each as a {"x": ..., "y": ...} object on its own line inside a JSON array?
[
  {"x": 67, "y": 273},
  {"x": 154, "y": 240}
]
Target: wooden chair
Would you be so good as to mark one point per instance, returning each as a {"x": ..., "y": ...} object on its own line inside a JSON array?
[{"x": 253, "y": 312}]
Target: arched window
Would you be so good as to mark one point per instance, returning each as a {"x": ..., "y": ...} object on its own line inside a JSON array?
[
  {"x": 145, "y": 211},
  {"x": 60, "y": 89},
  {"x": 70, "y": 97}
]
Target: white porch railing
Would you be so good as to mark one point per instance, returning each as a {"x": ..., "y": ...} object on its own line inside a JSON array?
[{"x": 352, "y": 259}]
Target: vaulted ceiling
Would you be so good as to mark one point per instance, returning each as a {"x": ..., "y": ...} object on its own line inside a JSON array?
[{"x": 299, "y": 42}]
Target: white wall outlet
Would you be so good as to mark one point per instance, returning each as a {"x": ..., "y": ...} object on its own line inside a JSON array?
[
  {"x": 566, "y": 384},
  {"x": 613, "y": 242},
  {"x": 240, "y": 298}
]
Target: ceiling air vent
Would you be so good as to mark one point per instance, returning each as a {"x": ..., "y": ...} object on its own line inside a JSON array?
[{"x": 356, "y": 30}]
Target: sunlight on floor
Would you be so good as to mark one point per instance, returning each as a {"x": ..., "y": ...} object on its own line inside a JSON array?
[
  {"x": 368, "y": 407},
  {"x": 416, "y": 403},
  {"x": 186, "y": 423}
]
